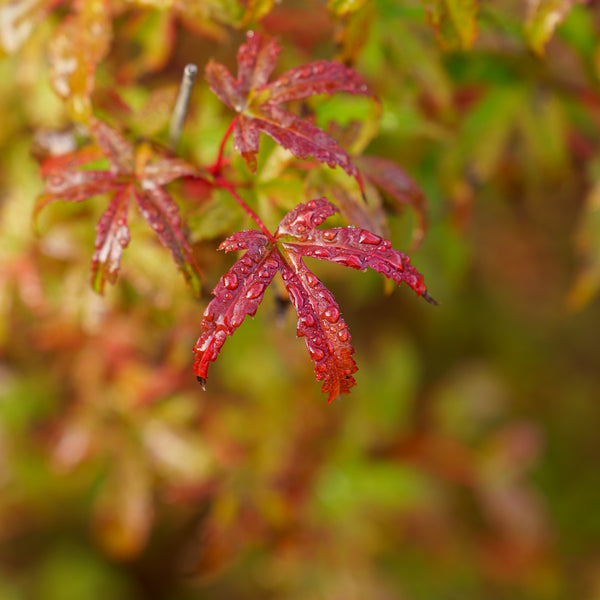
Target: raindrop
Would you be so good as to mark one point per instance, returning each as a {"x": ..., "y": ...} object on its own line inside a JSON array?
[
  {"x": 321, "y": 253},
  {"x": 236, "y": 320},
  {"x": 255, "y": 291},
  {"x": 332, "y": 314},
  {"x": 366, "y": 237},
  {"x": 312, "y": 280},
  {"x": 343, "y": 335},
  {"x": 316, "y": 353},
  {"x": 353, "y": 261},
  {"x": 329, "y": 235},
  {"x": 308, "y": 320},
  {"x": 230, "y": 281}
]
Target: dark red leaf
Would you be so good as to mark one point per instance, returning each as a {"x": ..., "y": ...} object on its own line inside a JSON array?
[
  {"x": 257, "y": 102},
  {"x": 319, "y": 77},
  {"x": 399, "y": 186},
  {"x": 301, "y": 138}
]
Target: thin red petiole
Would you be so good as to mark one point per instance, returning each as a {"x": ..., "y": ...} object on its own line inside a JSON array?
[
  {"x": 216, "y": 168},
  {"x": 219, "y": 181}
]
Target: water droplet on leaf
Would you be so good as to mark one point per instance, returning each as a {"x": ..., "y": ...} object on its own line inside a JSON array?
[
  {"x": 366, "y": 237},
  {"x": 255, "y": 290},
  {"x": 230, "y": 281},
  {"x": 332, "y": 314},
  {"x": 316, "y": 353}
]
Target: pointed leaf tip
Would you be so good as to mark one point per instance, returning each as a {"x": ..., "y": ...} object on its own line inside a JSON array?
[{"x": 425, "y": 295}]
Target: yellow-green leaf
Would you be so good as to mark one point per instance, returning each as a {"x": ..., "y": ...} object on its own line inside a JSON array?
[
  {"x": 80, "y": 43},
  {"x": 543, "y": 16},
  {"x": 454, "y": 21}
]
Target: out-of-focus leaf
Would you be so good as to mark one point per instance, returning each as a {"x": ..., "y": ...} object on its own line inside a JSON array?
[
  {"x": 153, "y": 117},
  {"x": 124, "y": 511},
  {"x": 152, "y": 35},
  {"x": 137, "y": 172},
  {"x": 80, "y": 43},
  {"x": 455, "y": 21},
  {"x": 208, "y": 17},
  {"x": 18, "y": 18},
  {"x": 543, "y": 16},
  {"x": 587, "y": 282},
  {"x": 255, "y": 11},
  {"x": 345, "y": 7},
  {"x": 357, "y": 212},
  {"x": 399, "y": 187},
  {"x": 179, "y": 455},
  {"x": 486, "y": 130},
  {"x": 545, "y": 130},
  {"x": 353, "y": 29}
]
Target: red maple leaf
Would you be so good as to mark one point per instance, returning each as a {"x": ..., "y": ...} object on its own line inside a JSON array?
[
  {"x": 257, "y": 101},
  {"x": 239, "y": 292},
  {"x": 134, "y": 172}
]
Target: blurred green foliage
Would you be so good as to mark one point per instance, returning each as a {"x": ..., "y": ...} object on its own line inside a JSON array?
[{"x": 464, "y": 464}]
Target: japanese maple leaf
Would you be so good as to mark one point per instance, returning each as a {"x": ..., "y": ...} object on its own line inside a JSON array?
[
  {"x": 134, "y": 173},
  {"x": 239, "y": 292},
  {"x": 257, "y": 101}
]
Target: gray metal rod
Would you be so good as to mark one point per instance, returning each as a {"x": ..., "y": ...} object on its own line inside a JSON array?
[{"x": 181, "y": 104}]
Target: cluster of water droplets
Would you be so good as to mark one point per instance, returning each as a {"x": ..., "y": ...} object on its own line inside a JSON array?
[
  {"x": 237, "y": 294},
  {"x": 325, "y": 332},
  {"x": 356, "y": 248}
]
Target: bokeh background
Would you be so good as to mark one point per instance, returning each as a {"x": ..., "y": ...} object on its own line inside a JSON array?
[{"x": 464, "y": 465}]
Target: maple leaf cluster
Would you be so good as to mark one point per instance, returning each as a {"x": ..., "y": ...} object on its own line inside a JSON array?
[
  {"x": 241, "y": 289},
  {"x": 141, "y": 172}
]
